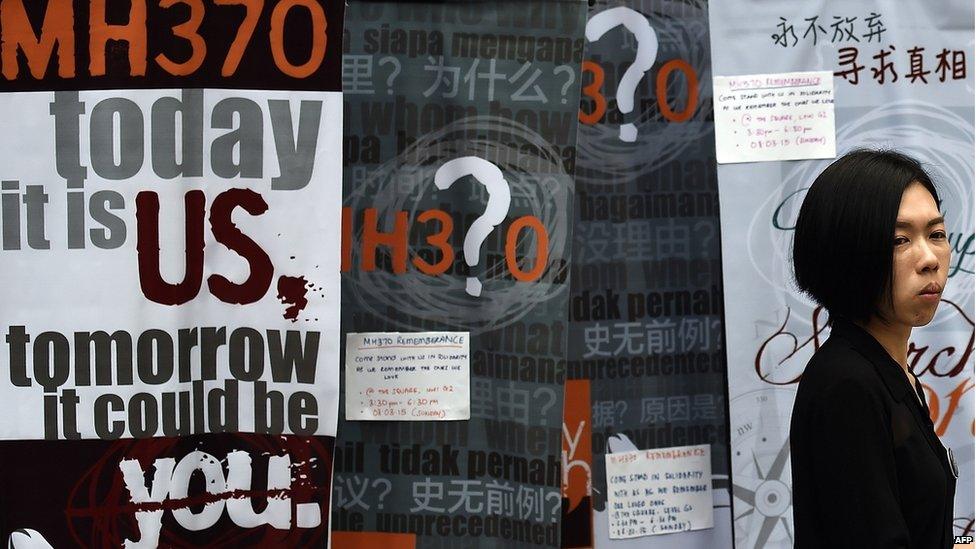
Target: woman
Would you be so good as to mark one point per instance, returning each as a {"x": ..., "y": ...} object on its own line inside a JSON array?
[{"x": 868, "y": 469}]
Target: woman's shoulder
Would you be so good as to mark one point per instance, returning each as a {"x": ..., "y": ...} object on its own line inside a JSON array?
[{"x": 838, "y": 368}]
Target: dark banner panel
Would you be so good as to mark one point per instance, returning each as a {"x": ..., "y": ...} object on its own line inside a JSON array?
[
  {"x": 646, "y": 313},
  {"x": 459, "y": 150}
]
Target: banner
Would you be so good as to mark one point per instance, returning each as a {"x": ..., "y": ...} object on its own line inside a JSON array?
[
  {"x": 646, "y": 302},
  {"x": 170, "y": 271},
  {"x": 903, "y": 79},
  {"x": 459, "y": 153}
]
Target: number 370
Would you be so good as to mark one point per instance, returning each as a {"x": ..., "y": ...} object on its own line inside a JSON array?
[
  {"x": 594, "y": 90},
  {"x": 189, "y": 31}
]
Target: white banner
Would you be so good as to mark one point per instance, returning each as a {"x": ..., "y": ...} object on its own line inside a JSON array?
[
  {"x": 903, "y": 79},
  {"x": 170, "y": 263}
]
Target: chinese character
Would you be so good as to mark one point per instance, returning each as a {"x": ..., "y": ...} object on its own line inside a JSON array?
[
  {"x": 673, "y": 240},
  {"x": 703, "y": 406},
  {"x": 652, "y": 410},
  {"x": 482, "y": 404},
  {"x": 357, "y": 74},
  {"x": 915, "y": 58},
  {"x": 466, "y": 496},
  {"x": 875, "y": 27},
  {"x": 693, "y": 333},
  {"x": 629, "y": 336},
  {"x": 338, "y": 494},
  {"x": 596, "y": 339},
  {"x": 499, "y": 497},
  {"x": 678, "y": 408},
  {"x": 449, "y": 76},
  {"x": 529, "y": 500},
  {"x": 660, "y": 336},
  {"x": 513, "y": 403},
  {"x": 637, "y": 244},
  {"x": 848, "y": 56},
  {"x": 472, "y": 76},
  {"x": 357, "y": 498},
  {"x": 813, "y": 28},
  {"x": 519, "y": 94},
  {"x": 595, "y": 243},
  {"x": 958, "y": 65},
  {"x": 846, "y": 33},
  {"x": 424, "y": 491},
  {"x": 605, "y": 413},
  {"x": 884, "y": 66},
  {"x": 781, "y": 39}
]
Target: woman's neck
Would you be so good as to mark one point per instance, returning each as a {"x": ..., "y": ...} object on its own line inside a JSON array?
[{"x": 892, "y": 336}]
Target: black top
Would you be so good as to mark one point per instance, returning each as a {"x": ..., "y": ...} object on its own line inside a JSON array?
[{"x": 868, "y": 469}]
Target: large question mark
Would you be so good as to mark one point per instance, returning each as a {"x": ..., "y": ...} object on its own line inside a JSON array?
[
  {"x": 389, "y": 487},
  {"x": 393, "y": 75},
  {"x": 499, "y": 199},
  {"x": 635, "y": 22},
  {"x": 545, "y": 407},
  {"x": 572, "y": 78}
]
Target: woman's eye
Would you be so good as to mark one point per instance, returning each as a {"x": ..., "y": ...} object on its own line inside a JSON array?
[
  {"x": 899, "y": 240},
  {"x": 939, "y": 235}
]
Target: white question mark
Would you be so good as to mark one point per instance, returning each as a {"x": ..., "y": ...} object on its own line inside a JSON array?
[
  {"x": 572, "y": 78},
  {"x": 393, "y": 75},
  {"x": 559, "y": 503},
  {"x": 499, "y": 199},
  {"x": 620, "y": 407},
  {"x": 707, "y": 240},
  {"x": 545, "y": 407},
  {"x": 389, "y": 487},
  {"x": 635, "y": 22}
]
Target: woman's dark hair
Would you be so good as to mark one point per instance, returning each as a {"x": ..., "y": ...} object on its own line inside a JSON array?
[{"x": 842, "y": 246}]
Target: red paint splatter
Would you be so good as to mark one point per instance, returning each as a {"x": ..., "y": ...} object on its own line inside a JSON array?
[{"x": 292, "y": 290}]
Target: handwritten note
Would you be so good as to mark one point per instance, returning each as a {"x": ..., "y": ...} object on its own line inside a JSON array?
[
  {"x": 659, "y": 491},
  {"x": 788, "y": 116},
  {"x": 408, "y": 376}
]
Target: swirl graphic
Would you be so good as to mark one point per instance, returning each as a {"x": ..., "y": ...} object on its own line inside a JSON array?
[{"x": 406, "y": 183}]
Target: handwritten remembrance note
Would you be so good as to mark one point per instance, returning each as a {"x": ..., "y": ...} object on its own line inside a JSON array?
[
  {"x": 421, "y": 376},
  {"x": 788, "y": 116},
  {"x": 659, "y": 491}
]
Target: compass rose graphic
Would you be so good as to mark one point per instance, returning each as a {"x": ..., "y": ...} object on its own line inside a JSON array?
[{"x": 761, "y": 483}]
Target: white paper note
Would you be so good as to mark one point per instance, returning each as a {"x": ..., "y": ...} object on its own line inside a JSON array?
[
  {"x": 659, "y": 491},
  {"x": 422, "y": 376},
  {"x": 787, "y": 116}
]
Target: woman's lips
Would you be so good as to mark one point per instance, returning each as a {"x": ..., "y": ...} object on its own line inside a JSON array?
[
  {"x": 931, "y": 293},
  {"x": 931, "y": 288}
]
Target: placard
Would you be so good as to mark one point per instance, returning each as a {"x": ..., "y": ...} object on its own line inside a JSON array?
[
  {"x": 761, "y": 117},
  {"x": 659, "y": 491},
  {"x": 408, "y": 376}
]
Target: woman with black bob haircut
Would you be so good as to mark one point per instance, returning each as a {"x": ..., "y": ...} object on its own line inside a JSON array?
[{"x": 871, "y": 247}]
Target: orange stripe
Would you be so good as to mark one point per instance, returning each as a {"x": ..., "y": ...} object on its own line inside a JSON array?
[{"x": 372, "y": 540}]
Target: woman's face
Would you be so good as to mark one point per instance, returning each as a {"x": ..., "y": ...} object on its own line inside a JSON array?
[{"x": 921, "y": 259}]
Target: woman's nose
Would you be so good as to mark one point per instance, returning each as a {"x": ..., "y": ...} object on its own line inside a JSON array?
[{"x": 929, "y": 259}]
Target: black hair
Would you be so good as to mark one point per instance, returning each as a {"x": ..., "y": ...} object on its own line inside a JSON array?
[{"x": 842, "y": 245}]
